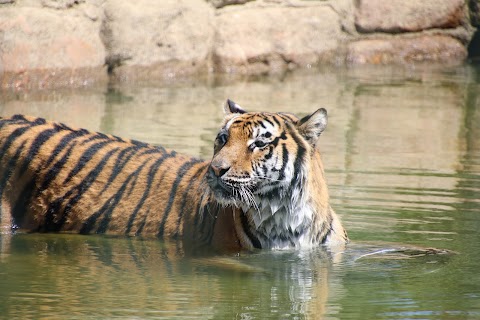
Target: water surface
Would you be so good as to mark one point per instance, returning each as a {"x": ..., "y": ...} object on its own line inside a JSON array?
[{"x": 402, "y": 152}]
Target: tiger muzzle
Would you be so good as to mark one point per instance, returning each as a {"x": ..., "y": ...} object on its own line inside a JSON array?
[{"x": 216, "y": 171}]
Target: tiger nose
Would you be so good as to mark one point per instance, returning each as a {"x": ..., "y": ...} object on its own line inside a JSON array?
[{"x": 219, "y": 169}]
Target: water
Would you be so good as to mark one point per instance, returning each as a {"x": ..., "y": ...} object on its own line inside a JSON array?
[{"x": 402, "y": 152}]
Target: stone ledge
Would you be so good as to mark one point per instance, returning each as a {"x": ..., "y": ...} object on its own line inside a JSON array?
[
  {"x": 55, "y": 43},
  {"x": 421, "y": 48},
  {"x": 257, "y": 41},
  {"x": 394, "y": 16},
  {"x": 35, "y": 38},
  {"x": 39, "y": 79}
]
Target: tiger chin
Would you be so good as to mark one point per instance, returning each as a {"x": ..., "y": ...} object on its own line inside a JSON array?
[{"x": 263, "y": 188}]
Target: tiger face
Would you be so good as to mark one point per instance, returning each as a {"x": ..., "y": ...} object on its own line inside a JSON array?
[{"x": 258, "y": 155}]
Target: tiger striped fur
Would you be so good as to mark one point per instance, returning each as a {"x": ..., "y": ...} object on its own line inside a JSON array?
[{"x": 263, "y": 188}]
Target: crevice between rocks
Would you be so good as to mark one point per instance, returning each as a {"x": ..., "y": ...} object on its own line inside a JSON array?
[{"x": 474, "y": 47}]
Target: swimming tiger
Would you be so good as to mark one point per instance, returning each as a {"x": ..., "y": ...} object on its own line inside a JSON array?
[{"x": 263, "y": 188}]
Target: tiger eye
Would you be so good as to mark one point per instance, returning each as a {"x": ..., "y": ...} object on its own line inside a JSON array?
[
  {"x": 222, "y": 138},
  {"x": 260, "y": 144}
]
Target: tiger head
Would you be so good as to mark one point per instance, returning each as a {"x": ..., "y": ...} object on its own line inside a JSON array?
[{"x": 261, "y": 155}]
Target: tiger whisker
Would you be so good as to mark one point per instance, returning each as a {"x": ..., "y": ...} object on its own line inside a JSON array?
[{"x": 250, "y": 199}]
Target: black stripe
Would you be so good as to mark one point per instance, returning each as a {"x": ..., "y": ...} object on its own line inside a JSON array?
[
  {"x": 139, "y": 143},
  {"x": 14, "y": 136},
  {"x": 246, "y": 228},
  {"x": 211, "y": 230},
  {"x": 63, "y": 143},
  {"x": 284, "y": 162},
  {"x": 24, "y": 199},
  {"x": 185, "y": 198},
  {"x": 54, "y": 207},
  {"x": 86, "y": 156},
  {"x": 109, "y": 205},
  {"x": 142, "y": 223},
  {"x": 271, "y": 123},
  {"x": 270, "y": 152},
  {"x": 102, "y": 228},
  {"x": 300, "y": 158},
  {"x": 8, "y": 122},
  {"x": 285, "y": 117},
  {"x": 37, "y": 143},
  {"x": 276, "y": 121},
  {"x": 7, "y": 171},
  {"x": 200, "y": 215},
  {"x": 122, "y": 161},
  {"x": 95, "y": 136},
  {"x": 119, "y": 165},
  {"x": 275, "y": 141},
  {"x": 151, "y": 176},
  {"x": 19, "y": 117},
  {"x": 80, "y": 189},
  {"x": 180, "y": 173},
  {"x": 49, "y": 219},
  {"x": 55, "y": 169},
  {"x": 208, "y": 216}
]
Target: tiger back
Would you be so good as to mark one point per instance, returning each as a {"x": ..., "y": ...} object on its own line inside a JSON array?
[{"x": 57, "y": 179}]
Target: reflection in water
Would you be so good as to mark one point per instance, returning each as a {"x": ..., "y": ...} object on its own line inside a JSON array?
[
  {"x": 402, "y": 154},
  {"x": 76, "y": 276}
]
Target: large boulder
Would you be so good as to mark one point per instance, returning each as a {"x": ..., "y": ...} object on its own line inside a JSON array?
[
  {"x": 45, "y": 48},
  {"x": 408, "y": 15},
  {"x": 253, "y": 39},
  {"x": 167, "y": 39}
]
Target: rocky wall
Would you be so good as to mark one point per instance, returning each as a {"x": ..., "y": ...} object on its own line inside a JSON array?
[{"x": 69, "y": 43}]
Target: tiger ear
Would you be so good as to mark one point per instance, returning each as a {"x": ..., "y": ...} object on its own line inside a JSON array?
[
  {"x": 312, "y": 126},
  {"x": 232, "y": 107}
]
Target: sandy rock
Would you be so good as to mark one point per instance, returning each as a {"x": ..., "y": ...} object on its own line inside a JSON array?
[
  {"x": 49, "y": 48},
  {"x": 171, "y": 38},
  {"x": 408, "y": 15},
  {"x": 437, "y": 48},
  {"x": 260, "y": 40}
]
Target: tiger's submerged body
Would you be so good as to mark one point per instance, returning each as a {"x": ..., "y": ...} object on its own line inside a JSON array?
[{"x": 263, "y": 188}]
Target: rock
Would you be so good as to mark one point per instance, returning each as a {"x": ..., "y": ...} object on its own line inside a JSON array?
[
  {"x": 48, "y": 48},
  {"x": 398, "y": 50},
  {"x": 168, "y": 39},
  {"x": 271, "y": 39},
  {"x": 395, "y": 16},
  {"x": 222, "y": 3},
  {"x": 54, "y": 43}
]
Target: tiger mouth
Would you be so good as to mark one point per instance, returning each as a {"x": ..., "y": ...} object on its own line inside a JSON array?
[
  {"x": 222, "y": 192},
  {"x": 226, "y": 192}
]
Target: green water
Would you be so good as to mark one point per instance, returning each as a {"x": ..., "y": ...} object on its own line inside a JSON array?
[{"x": 402, "y": 152}]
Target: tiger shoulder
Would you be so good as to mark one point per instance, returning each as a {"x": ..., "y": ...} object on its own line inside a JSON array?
[{"x": 263, "y": 188}]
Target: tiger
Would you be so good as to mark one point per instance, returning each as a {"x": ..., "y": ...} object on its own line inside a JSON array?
[{"x": 263, "y": 188}]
